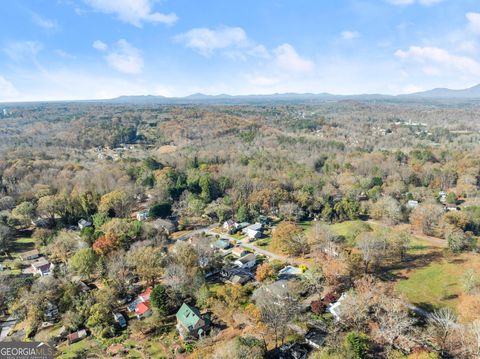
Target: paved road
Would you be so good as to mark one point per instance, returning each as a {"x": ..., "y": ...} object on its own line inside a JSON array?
[
  {"x": 6, "y": 326},
  {"x": 241, "y": 243},
  {"x": 251, "y": 246}
]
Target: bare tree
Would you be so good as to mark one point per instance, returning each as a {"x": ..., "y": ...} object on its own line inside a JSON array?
[
  {"x": 442, "y": 325},
  {"x": 372, "y": 248}
]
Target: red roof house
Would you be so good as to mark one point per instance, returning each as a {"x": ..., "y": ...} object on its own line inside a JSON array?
[
  {"x": 145, "y": 296},
  {"x": 143, "y": 310}
]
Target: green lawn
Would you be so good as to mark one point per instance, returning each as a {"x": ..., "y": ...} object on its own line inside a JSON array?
[
  {"x": 440, "y": 283},
  {"x": 87, "y": 346},
  {"x": 351, "y": 229},
  {"x": 22, "y": 244}
]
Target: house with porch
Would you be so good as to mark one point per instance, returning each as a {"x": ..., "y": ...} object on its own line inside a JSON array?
[{"x": 190, "y": 323}]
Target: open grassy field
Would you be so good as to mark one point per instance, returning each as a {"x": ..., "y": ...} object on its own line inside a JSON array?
[
  {"x": 438, "y": 284},
  {"x": 21, "y": 244},
  {"x": 80, "y": 349}
]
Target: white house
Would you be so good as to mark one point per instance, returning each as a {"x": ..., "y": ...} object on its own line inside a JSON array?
[
  {"x": 289, "y": 272},
  {"x": 42, "y": 267},
  {"x": 335, "y": 308},
  {"x": 239, "y": 252},
  {"x": 442, "y": 196},
  {"x": 230, "y": 225},
  {"x": 142, "y": 216},
  {"x": 412, "y": 204},
  {"x": 83, "y": 224},
  {"x": 253, "y": 231},
  {"x": 247, "y": 261}
]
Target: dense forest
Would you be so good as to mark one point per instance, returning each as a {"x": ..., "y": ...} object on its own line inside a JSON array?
[{"x": 365, "y": 198}]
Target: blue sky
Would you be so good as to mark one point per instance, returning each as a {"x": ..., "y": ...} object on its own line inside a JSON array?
[{"x": 90, "y": 49}]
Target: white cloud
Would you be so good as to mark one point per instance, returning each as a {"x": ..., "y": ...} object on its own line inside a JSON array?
[
  {"x": 287, "y": 58},
  {"x": 474, "y": 21},
  {"x": 7, "y": 90},
  {"x": 64, "y": 54},
  {"x": 467, "y": 46},
  {"x": 412, "y": 88},
  {"x": 134, "y": 12},
  {"x": 411, "y": 2},
  {"x": 205, "y": 40},
  {"x": 125, "y": 58},
  {"x": 23, "y": 50},
  {"x": 99, "y": 45},
  {"x": 350, "y": 35},
  {"x": 262, "y": 80},
  {"x": 45, "y": 23},
  {"x": 431, "y": 56}
]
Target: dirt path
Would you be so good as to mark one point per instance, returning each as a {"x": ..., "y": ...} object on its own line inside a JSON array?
[{"x": 434, "y": 241}]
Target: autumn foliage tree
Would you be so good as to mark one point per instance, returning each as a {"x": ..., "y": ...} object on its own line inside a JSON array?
[
  {"x": 264, "y": 271},
  {"x": 426, "y": 218},
  {"x": 290, "y": 238},
  {"x": 105, "y": 244}
]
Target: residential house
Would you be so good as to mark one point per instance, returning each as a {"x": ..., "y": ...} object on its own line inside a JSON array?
[
  {"x": 33, "y": 254},
  {"x": 190, "y": 323},
  {"x": 242, "y": 225},
  {"x": 141, "y": 305},
  {"x": 253, "y": 231},
  {"x": 143, "y": 310},
  {"x": 362, "y": 197},
  {"x": 247, "y": 261},
  {"x": 221, "y": 245},
  {"x": 264, "y": 220},
  {"x": 165, "y": 224},
  {"x": 412, "y": 204},
  {"x": 145, "y": 296},
  {"x": 236, "y": 275},
  {"x": 83, "y": 223},
  {"x": 289, "y": 272},
  {"x": 442, "y": 196},
  {"x": 77, "y": 336},
  {"x": 335, "y": 308},
  {"x": 142, "y": 216},
  {"x": 451, "y": 208},
  {"x": 120, "y": 319},
  {"x": 239, "y": 252},
  {"x": 230, "y": 225},
  {"x": 280, "y": 289},
  {"x": 39, "y": 222},
  {"x": 42, "y": 267},
  {"x": 293, "y": 351},
  {"x": 315, "y": 338}
]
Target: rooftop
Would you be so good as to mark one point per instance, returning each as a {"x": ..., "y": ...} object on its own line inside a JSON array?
[{"x": 188, "y": 316}]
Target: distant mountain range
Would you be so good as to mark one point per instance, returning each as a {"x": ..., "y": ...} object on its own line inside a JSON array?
[
  {"x": 472, "y": 93},
  {"x": 443, "y": 93}
]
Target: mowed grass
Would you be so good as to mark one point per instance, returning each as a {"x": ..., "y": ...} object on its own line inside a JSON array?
[
  {"x": 351, "y": 229},
  {"x": 439, "y": 284},
  {"x": 80, "y": 349},
  {"x": 22, "y": 244}
]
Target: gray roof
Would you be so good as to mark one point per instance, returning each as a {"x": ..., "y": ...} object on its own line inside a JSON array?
[
  {"x": 255, "y": 227},
  {"x": 247, "y": 258}
]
